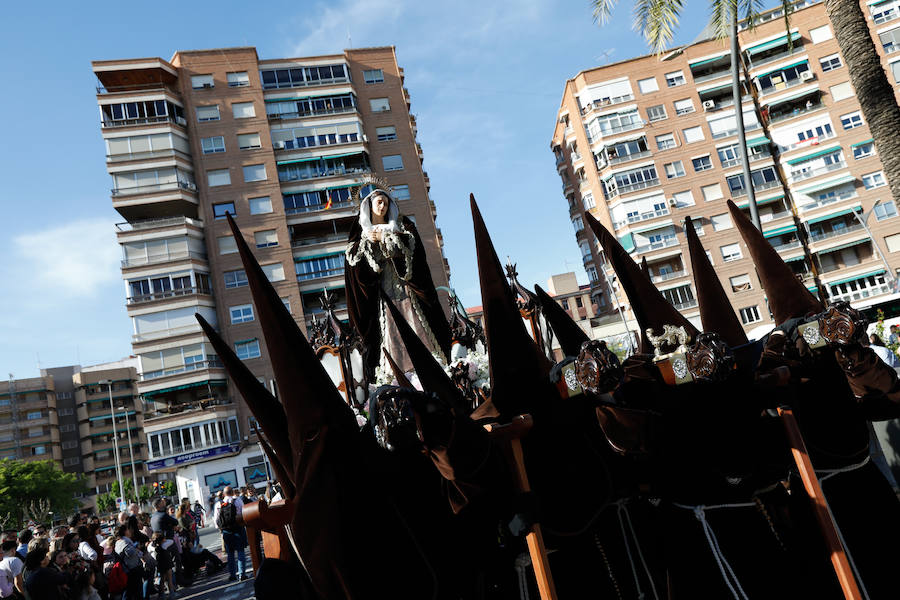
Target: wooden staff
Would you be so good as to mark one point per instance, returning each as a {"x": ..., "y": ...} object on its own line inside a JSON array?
[
  {"x": 511, "y": 435},
  {"x": 820, "y": 506}
]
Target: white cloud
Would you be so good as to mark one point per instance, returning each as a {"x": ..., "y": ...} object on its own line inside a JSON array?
[{"x": 71, "y": 260}]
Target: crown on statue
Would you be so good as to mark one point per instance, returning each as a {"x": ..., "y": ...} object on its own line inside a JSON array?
[{"x": 369, "y": 179}]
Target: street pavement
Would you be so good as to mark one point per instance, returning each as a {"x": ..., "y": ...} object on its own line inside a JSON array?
[{"x": 217, "y": 587}]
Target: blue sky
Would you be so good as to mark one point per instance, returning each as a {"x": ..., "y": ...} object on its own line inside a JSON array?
[{"x": 485, "y": 79}]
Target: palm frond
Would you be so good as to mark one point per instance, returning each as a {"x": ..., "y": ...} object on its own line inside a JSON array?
[
  {"x": 752, "y": 8},
  {"x": 722, "y": 15},
  {"x": 602, "y": 10},
  {"x": 787, "y": 7},
  {"x": 657, "y": 20}
]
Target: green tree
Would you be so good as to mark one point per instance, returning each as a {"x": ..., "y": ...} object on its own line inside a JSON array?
[
  {"x": 168, "y": 488},
  {"x": 22, "y": 483},
  {"x": 144, "y": 494},
  {"x": 105, "y": 503}
]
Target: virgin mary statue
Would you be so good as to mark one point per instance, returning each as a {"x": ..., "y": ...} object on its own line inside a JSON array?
[{"x": 385, "y": 254}]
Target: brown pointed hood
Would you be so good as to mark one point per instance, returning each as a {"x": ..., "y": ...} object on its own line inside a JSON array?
[
  {"x": 645, "y": 269},
  {"x": 788, "y": 298},
  {"x": 566, "y": 330},
  {"x": 650, "y": 308},
  {"x": 399, "y": 375},
  {"x": 432, "y": 376},
  {"x": 265, "y": 408},
  {"x": 281, "y": 474},
  {"x": 716, "y": 312},
  {"x": 518, "y": 368}
]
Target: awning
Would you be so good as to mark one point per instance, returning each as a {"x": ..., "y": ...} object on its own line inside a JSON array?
[
  {"x": 709, "y": 60},
  {"x": 827, "y": 184},
  {"x": 622, "y": 140},
  {"x": 337, "y": 286},
  {"x": 868, "y": 141},
  {"x": 783, "y": 99},
  {"x": 856, "y": 277},
  {"x": 847, "y": 245},
  {"x": 314, "y": 256},
  {"x": 877, "y": 2},
  {"x": 794, "y": 258},
  {"x": 840, "y": 213},
  {"x": 128, "y": 464},
  {"x": 762, "y": 202},
  {"x": 307, "y": 97},
  {"x": 727, "y": 86},
  {"x": 796, "y": 64},
  {"x": 315, "y": 158},
  {"x": 759, "y": 141},
  {"x": 772, "y": 43},
  {"x": 102, "y": 417},
  {"x": 186, "y": 386},
  {"x": 806, "y": 157},
  {"x": 780, "y": 231},
  {"x": 659, "y": 225},
  {"x": 627, "y": 242},
  {"x": 247, "y": 341}
]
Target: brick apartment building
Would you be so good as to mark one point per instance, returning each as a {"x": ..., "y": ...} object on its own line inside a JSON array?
[
  {"x": 280, "y": 144},
  {"x": 645, "y": 142}
]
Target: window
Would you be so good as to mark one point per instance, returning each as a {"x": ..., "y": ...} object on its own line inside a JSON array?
[
  {"x": 386, "y": 134},
  {"x": 214, "y": 144},
  {"x": 565, "y": 304},
  {"x": 852, "y": 120},
  {"x": 578, "y": 224},
  {"x": 711, "y": 192},
  {"x": 199, "y": 82},
  {"x": 247, "y": 349},
  {"x": 38, "y": 450},
  {"x": 238, "y": 79},
  {"x": 588, "y": 201},
  {"x": 873, "y": 180},
  {"x": 227, "y": 244},
  {"x": 274, "y": 272},
  {"x": 674, "y": 169},
  {"x": 830, "y": 63},
  {"x": 373, "y": 76},
  {"x": 260, "y": 206},
  {"x": 883, "y": 12},
  {"x": 885, "y": 210},
  {"x": 379, "y": 104},
  {"x": 287, "y": 303},
  {"x": 740, "y": 283},
  {"x": 720, "y": 222},
  {"x": 266, "y": 239},
  {"x": 674, "y": 79},
  {"x": 863, "y": 150},
  {"x": 665, "y": 141},
  {"x": 235, "y": 279},
  {"x": 69, "y": 445},
  {"x": 592, "y": 274},
  {"x": 682, "y": 199},
  {"x": 820, "y": 34},
  {"x": 841, "y": 91},
  {"x": 683, "y": 107},
  {"x": 254, "y": 173},
  {"x": 70, "y": 462},
  {"x": 249, "y": 141},
  {"x": 393, "y": 162},
  {"x": 64, "y": 412},
  {"x": 218, "y": 177},
  {"x": 323, "y": 266},
  {"x": 241, "y": 314},
  {"x": 400, "y": 192},
  {"x": 702, "y": 163},
  {"x": 693, "y": 134},
  {"x": 33, "y": 415},
  {"x": 656, "y": 113},
  {"x": 243, "y": 110},
  {"x": 219, "y": 210},
  {"x": 731, "y": 252},
  {"x": 302, "y": 76},
  {"x": 207, "y": 113},
  {"x": 648, "y": 85},
  {"x": 750, "y": 315}
]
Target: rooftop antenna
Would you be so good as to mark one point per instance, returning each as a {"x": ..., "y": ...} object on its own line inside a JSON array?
[
  {"x": 604, "y": 56},
  {"x": 349, "y": 39}
]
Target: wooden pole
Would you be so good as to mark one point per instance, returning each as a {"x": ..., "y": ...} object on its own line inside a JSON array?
[
  {"x": 512, "y": 434},
  {"x": 820, "y": 506}
]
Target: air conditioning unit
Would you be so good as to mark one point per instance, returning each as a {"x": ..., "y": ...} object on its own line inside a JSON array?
[
  {"x": 278, "y": 145},
  {"x": 806, "y": 76},
  {"x": 365, "y": 139},
  {"x": 709, "y": 104},
  {"x": 673, "y": 202},
  {"x": 181, "y": 121}
]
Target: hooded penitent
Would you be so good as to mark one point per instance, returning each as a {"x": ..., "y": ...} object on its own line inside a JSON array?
[
  {"x": 567, "y": 331},
  {"x": 716, "y": 312},
  {"x": 329, "y": 463},
  {"x": 788, "y": 298},
  {"x": 650, "y": 308},
  {"x": 645, "y": 269}
]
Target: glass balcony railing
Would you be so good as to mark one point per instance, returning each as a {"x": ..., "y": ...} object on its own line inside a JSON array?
[
  {"x": 320, "y": 274},
  {"x": 664, "y": 243},
  {"x": 615, "y": 160},
  {"x": 640, "y": 185},
  {"x": 311, "y": 208},
  {"x": 667, "y": 276},
  {"x": 827, "y": 235},
  {"x": 154, "y": 187},
  {"x": 154, "y": 223},
  {"x": 161, "y": 258},
  {"x": 638, "y": 218},
  {"x": 194, "y": 366},
  {"x": 804, "y": 175},
  {"x": 167, "y": 294}
]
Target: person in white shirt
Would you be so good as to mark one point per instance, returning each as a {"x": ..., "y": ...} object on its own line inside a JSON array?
[
  {"x": 11, "y": 567},
  {"x": 234, "y": 536}
]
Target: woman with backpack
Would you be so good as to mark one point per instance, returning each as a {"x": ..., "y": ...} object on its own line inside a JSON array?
[
  {"x": 234, "y": 537},
  {"x": 128, "y": 560}
]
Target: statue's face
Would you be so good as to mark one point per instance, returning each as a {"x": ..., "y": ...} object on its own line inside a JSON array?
[{"x": 380, "y": 205}]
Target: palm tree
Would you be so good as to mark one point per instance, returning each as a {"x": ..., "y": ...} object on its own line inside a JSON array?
[{"x": 657, "y": 20}]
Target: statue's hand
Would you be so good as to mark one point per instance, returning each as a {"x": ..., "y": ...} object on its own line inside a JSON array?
[{"x": 374, "y": 235}]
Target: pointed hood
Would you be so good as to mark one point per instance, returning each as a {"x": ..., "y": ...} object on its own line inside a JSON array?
[
  {"x": 265, "y": 408},
  {"x": 399, "y": 375},
  {"x": 281, "y": 474},
  {"x": 788, "y": 298},
  {"x": 645, "y": 269},
  {"x": 432, "y": 376},
  {"x": 716, "y": 312},
  {"x": 650, "y": 308},
  {"x": 518, "y": 368},
  {"x": 566, "y": 330}
]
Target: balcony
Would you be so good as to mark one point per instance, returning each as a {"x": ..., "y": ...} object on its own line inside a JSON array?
[
  {"x": 143, "y": 224},
  {"x": 686, "y": 304},
  {"x": 846, "y": 195},
  {"x": 164, "y": 153},
  {"x": 110, "y": 123},
  {"x": 664, "y": 243},
  {"x": 804, "y": 175},
  {"x": 641, "y": 217},
  {"x": 667, "y": 276},
  {"x": 195, "y": 366},
  {"x": 168, "y": 294},
  {"x": 827, "y": 235},
  {"x": 734, "y": 131},
  {"x": 598, "y": 104},
  {"x": 808, "y": 142},
  {"x": 332, "y": 272},
  {"x": 213, "y": 403},
  {"x": 312, "y": 208},
  {"x": 736, "y": 162},
  {"x": 162, "y": 258},
  {"x": 773, "y": 216},
  {"x": 628, "y": 157},
  {"x": 165, "y": 333},
  {"x": 154, "y": 187},
  {"x": 796, "y": 112},
  {"x": 640, "y": 185},
  {"x": 285, "y": 177},
  {"x": 311, "y": 113},
  {"x": 786, "y": 85},
  {"x": 767, "y": 60},
  {"x": 861, "y": 294},
  {"x": 324, "y": 239},
  {"x": 786, "y": 245},
  {"x": 711, "y": 76},
  {"x": 619, "y": 129},
  {"x": 760, "y": 187}
]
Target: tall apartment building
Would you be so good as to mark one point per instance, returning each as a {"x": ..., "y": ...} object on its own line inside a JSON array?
[
  {"x": 29, "y": 425},
  {"x": 280, "y": 144},
  {"x": 645, "y": 142}
]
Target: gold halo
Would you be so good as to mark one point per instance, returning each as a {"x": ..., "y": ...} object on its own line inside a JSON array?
[{"x": 369, "y": 179}]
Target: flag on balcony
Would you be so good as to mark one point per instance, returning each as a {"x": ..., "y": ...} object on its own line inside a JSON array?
[{"x": 328, "y": 199}]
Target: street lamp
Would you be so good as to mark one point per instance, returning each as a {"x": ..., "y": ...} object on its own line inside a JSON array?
[
  {"x": 112, "y": 414},
  {"x": 130, "y": 453},
  {"x": 862, "y": 217}
]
